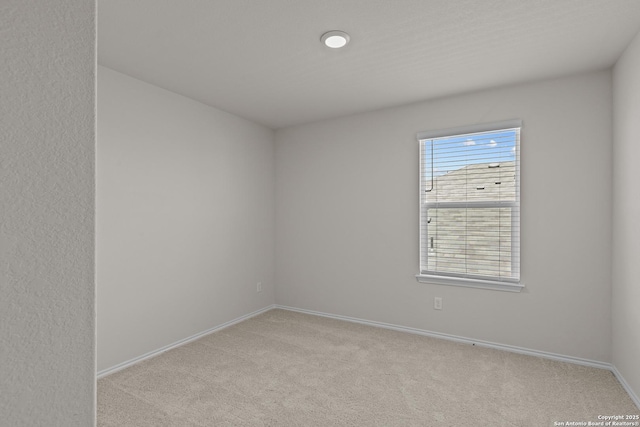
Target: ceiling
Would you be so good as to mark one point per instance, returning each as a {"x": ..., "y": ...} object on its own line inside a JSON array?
[{"x": 263, "y": 60}]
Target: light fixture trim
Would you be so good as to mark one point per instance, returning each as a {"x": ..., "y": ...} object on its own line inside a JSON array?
[{"x": 335, "y": 39}]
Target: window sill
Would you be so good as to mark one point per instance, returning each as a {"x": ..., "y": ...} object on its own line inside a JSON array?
[{"x": 470, "y": 283}]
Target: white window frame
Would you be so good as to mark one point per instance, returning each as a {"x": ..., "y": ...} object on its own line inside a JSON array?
[{"x": 453, "y": 279}]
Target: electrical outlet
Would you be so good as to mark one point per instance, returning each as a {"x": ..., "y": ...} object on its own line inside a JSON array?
[
  {"x": 437, "y": 303},
  {"x": 259, "y": 287}
]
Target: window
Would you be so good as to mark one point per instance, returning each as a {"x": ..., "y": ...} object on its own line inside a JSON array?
[{"x": 470, "y": 206}]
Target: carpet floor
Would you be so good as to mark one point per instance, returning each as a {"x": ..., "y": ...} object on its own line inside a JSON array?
[{"x": 284, "y": 368}]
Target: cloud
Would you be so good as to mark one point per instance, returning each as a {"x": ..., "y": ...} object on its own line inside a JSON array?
[
  {"x": 513, "y": 150},
  {"x": 469, "y": 142},
  {"x": 492, "y": 143}
]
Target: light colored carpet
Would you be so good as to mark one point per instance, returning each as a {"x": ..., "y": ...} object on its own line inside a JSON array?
[{"x": 289, "y": 369}]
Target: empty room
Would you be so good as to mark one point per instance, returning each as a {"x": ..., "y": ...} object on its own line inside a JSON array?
[{"x": 311, "y": 213}]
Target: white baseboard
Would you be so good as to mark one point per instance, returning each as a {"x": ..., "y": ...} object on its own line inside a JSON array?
[
  {"x": 510, "y": 348},
  {"x": 481, "y": 343},
  {"x": 626, "y": 386},
  {"x": 161, "y": 350}
]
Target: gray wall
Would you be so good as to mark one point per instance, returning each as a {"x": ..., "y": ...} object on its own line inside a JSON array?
[
  {"x": 47, "y": 113},
  {"x": 185, "y": 217},
  {"x": 626, "y": 216},
  {"x": 347, "y": 218}
]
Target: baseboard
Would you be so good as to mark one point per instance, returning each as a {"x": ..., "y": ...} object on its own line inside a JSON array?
[
  {"x": 626, "y": 386},
  {"x": 161, "y": 350},
  {"x": 481, "y": 343}
]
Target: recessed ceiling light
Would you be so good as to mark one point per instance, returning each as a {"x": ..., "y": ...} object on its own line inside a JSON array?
[{"x": 335, "y": 39}]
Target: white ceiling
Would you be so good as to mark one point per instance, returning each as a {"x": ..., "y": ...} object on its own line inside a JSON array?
[{"x": 263, "y": 60}]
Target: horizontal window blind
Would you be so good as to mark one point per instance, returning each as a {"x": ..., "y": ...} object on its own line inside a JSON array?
[{"x": 470, "y": 204}]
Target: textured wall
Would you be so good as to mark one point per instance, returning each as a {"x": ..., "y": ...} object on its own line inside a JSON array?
[
  {"x": 47, "y": 357},
  {"x": 347, "y": 223},
  {"x": 626, "y": 212},
  {"x": 185, "y": 217}
]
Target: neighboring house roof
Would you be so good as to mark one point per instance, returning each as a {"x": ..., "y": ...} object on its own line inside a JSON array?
[{"x": 476, "y": 182}]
